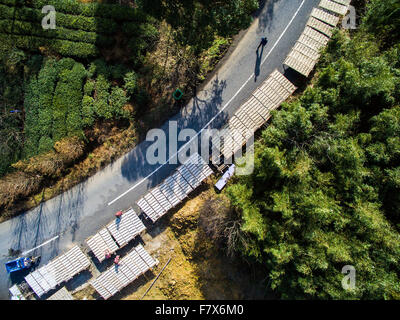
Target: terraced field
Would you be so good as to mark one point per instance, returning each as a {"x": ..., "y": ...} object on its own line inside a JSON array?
[{"x": 81, "y": 29}]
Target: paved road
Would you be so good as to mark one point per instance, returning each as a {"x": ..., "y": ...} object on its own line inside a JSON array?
[{"x": 78, "y": 213}]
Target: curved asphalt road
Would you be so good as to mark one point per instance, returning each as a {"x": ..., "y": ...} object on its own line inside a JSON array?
[{"x": 73, "y": 216}]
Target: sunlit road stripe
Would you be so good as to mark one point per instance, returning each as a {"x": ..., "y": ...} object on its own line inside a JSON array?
[
  {"x": 43, "y": 244},
  {"x": 223, "y": 108}
]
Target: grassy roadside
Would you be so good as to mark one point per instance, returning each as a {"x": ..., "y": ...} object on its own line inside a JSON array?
[{"x": 116, "y": 144}]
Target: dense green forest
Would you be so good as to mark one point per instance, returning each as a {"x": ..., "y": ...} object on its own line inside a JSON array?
[
  {"x": 325, "y": 191},
  {"x": 96, "y": 68}
]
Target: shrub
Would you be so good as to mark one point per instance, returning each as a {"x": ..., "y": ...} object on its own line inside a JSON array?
[
  {"x": 101, "y": 106},
  {"x": 45, "y": 144},
  {"x": 130, "y": 82},
  {"x": 32, "y": 128},
  {"x": 35, "y": 29},
  {"x": 113, "y": 11},
  {"x": 73, "y": 49},
  {"x": 100, "y": 25},
  {"x": 53, "y": 163},
  {"x": 117, "y": 71},
  {"x": 33, "y": 65},
  {"x": 99, "y": 67},
  {"x": 74, "y": 118},
  {"x": 88, "y": 87},
  {"x": 46, "y": 84},
  {"x": 144, "y": 30},
  {"x": 117, "y": 101},
  {"x": 87, "y": 111},
  {"x": 65, "y": 64},
  {"x": 63, "y": 47},
  {"x": 67, "y": 101}
]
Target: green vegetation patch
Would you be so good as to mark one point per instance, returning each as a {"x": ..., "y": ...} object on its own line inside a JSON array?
[{"x": 325, "y": 191}]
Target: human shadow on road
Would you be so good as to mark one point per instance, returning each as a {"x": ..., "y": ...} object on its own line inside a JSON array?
[{"x": 259, "y": 59}]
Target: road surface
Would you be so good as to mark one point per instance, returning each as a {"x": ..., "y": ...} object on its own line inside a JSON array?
[{"x": 73, "y": 216}]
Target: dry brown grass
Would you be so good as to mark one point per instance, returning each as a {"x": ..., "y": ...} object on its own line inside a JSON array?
[
  {"x": 88, "y": 293},
  {"x": 45, "y": 176}
]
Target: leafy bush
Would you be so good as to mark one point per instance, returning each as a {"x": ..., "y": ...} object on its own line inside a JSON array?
[
  {"x": 94, "y": 24},
  {"x": 32, "y": 127},
  {"x": 109, "y": 101},
  {"x": 117, "y": 71},
  {"x": 14, "y": 66},
  {"x": 65, "y": 64},
  {"x": 35, "y": 29},
  {"x": 63, "y": 47},
  {"x": 46, "y": 83},
  {"x": 88, "y": 87},
  {"x": 143, "y": 30},
  {"x": 74, "y": 117},
  {"x": 117, "y": 101},
  {"x": 99, "y": 67},
  {"x": 101, "y": 105},
  {"x": 52, "y": 164},
  {"x": 383, "y": 20},
  {"x": 88, "y": 115},
  {"x": 130, "y": 82},
  {"x": 45, "y": 144},
  {"x": 67, "y": 101},
  {"x": 112, "y": 11}
]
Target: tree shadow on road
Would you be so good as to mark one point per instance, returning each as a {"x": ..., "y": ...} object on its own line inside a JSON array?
[
  {"x": 46, "y": 221},
  {"x": 135, "y": 165},
  {"x": 265, "y": 17}
]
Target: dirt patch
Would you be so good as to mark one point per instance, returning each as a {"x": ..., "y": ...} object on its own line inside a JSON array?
[{"x": 88, "y": 293}]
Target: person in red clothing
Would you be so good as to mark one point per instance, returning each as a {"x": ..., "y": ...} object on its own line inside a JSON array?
[
  {"x": 116, "y": 260},
  {"x": 107, "y": 254},
  {"x": 118, "y": 214}
]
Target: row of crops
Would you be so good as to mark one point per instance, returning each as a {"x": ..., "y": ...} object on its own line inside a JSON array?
[
  {"x": 80, "y": 28},
  {"x": 60, "y": 101},
  {"x": 110, "y": 11}
]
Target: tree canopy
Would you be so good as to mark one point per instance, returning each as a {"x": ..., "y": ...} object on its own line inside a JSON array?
[{"x": 325, "y": 191}]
